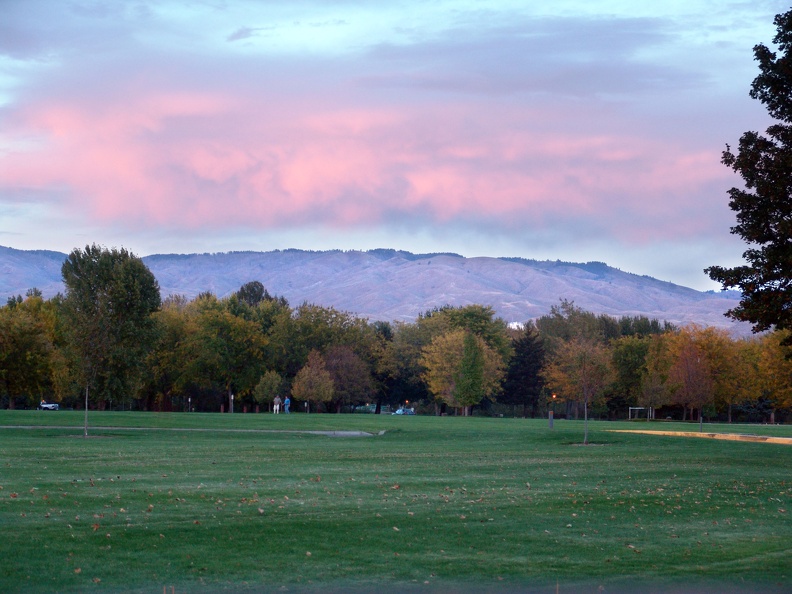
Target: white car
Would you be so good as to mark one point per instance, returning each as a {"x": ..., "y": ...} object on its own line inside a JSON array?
[
  {"x": 48, "y": 406},
  {"x": 404, "y": 411}
]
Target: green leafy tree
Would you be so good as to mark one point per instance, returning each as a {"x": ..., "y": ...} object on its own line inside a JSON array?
[
  {"x": 222, "y": 349},
  {"x": 567, "y": 321},
  {"x": 252, "y": 293},
  {"x": 629, "y": 364},
  {"x": 481, "y": 321},
  {"x": 294, "y": 335},
  {"x": 270, "y": 385},
  {"x": 655, "y": 391},
  {"x": 25, "y": 349},
  {"x": 110, "y": 296},
  {"x": 764, "y": 206},
  {"x": 399, "y": 363},
  {"x": 167, "y": 363}
]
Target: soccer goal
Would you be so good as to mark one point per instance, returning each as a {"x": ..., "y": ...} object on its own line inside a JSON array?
[{"x": 634, "y": 412}]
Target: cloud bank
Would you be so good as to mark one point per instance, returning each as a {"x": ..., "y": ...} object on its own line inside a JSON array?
[{"x": 569, "y": 132}]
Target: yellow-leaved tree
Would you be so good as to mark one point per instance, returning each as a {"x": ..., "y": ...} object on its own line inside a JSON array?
[
  {"x": 461, "y": 369},
  {"x": 313, "y": 382}
]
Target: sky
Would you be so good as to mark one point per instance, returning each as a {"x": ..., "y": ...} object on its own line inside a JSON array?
[{"x": 575, "y": 130}]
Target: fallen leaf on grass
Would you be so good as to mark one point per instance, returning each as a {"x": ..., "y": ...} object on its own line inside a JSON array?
[
  {"x": 396, "y": 529},
  {"x": 95, "y": 527}
]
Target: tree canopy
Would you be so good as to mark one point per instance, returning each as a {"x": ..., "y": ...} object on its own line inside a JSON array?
[
  {"x": 763, "y": 206},
  {"x": 110, "y": 296}
]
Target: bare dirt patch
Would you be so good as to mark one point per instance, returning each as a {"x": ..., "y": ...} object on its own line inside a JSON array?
[{"x": 723, "y": 436}]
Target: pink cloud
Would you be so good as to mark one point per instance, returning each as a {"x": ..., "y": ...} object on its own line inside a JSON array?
[{"x": 202, "y": 160}]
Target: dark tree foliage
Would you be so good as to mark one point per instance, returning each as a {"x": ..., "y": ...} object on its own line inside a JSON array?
[
  {"x": 764, "y": 207},
  {"x": 352, "y": 381},
  {"x": 253, "y": 293},
  {"x": 523, "y": 384},
  {"x": 567, "y": 321},
  {"x": 110, "y": 296}
]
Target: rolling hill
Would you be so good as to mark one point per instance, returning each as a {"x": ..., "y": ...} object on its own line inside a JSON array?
[{"x": 396, "y": 285}]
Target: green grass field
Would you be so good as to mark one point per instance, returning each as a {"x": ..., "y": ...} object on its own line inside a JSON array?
[{"x": 209, "y": 502}]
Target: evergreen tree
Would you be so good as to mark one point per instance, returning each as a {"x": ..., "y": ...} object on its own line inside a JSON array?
[
  {"x": 764, "y": 207},
  {"x": 524, "y": 384}
]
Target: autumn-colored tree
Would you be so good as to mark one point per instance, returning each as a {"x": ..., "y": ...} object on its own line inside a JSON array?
[
  {"x": 775, "y": 370},
  {"x": 738, "y": 385},
  {"x": 313, "y": 382},
  {"x": 728, "y": 368},
  {"x": 690, "y": 375},
  {"x": 452, "y": 375},
  {"x": 579, "y": 371}
]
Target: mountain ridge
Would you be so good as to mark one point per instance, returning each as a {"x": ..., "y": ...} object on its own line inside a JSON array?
[{"x": 396, "y": 285}]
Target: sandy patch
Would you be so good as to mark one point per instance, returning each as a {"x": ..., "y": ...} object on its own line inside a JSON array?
[{"x": 723, "y": 436}]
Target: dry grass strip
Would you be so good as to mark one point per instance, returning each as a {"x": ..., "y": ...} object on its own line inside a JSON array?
[{"x": 724, "y": 436}]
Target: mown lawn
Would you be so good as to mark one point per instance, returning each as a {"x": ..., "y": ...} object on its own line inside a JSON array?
[{"x": 241, "y": 502}]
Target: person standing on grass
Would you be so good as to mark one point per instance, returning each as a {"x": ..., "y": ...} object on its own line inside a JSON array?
[
  {"x": 276, "y": 404},
  {"x": 286, "y": 404}
]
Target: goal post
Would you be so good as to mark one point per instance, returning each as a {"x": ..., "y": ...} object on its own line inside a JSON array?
[{"x": 634, "y": 412}]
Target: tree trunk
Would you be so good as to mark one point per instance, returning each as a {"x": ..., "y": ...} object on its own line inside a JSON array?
[
  {"x": 730, "y": 406},
  {"x": 85, "y": 434},
  {"x": 585, "y": 422}
]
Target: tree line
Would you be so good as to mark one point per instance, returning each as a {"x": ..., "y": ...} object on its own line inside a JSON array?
[{"x": 111, "y": 343}]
